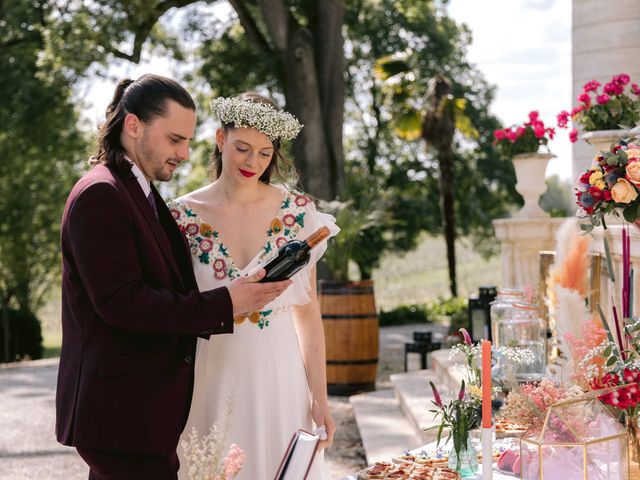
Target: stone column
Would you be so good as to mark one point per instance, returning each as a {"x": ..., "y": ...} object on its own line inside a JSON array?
[
  {"x": 521, "y": 240},
  {"x": 606, "y": 42}
]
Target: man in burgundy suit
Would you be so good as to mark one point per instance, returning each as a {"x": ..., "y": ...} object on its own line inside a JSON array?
[{"x": 131, "y": 310}]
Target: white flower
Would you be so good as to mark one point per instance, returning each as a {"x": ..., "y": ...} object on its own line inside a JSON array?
[{"x": 275, "y": 124}]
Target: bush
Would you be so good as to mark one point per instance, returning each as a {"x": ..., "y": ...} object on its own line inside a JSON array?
[
  {"x": 450, "y": 310},
  {"x": 25, "y": 341},
  {"x": 404, "y": 314}
]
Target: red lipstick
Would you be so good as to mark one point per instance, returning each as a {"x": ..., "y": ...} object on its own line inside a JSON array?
[{"x": 246, "y": 173}]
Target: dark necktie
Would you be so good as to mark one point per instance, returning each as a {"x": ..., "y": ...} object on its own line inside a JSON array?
[{"x": 152, "y": 202}]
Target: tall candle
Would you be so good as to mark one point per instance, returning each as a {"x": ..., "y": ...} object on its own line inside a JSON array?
[{"x": 486, "y": 384}]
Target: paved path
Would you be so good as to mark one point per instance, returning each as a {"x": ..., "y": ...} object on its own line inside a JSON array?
[{"x": 28, "y": 448}]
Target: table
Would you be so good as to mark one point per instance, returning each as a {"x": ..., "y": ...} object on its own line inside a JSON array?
[{"x": 430, "y": 446}]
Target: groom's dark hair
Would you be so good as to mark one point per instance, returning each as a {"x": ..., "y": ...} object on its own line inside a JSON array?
[{"x": 146, "y": 98}]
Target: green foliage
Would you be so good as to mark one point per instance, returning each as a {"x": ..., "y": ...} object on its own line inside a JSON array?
[
  {"x": 619, "y": 110},
  {"x": 559, "y": 199},
  {"x": 353, "y": 223},
  {"x": 404, "y": 314},
  {"x": 439, "y": 311},
  {"x": 26, "y": 337},
  {"x": 41, "y": 148}
]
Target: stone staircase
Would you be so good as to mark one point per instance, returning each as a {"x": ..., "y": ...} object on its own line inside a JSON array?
[{"x": 397, "y": 419}]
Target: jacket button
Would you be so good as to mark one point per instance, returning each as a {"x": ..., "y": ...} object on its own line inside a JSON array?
[{"x": 188, "y": 359}]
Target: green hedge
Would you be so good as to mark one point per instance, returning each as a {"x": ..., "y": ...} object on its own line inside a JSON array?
[
  {"x": 25, "y": 340},
  {"x": 450, "y": 310}
]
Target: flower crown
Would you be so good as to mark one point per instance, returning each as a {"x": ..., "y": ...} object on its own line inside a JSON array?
[{"x": 275, "y": 124}]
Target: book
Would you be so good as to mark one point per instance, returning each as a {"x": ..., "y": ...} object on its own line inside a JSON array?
[{"x": 299, "y": 456}]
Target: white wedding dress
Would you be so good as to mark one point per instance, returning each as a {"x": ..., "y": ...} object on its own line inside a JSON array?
[{"x": 260, "y": 363}]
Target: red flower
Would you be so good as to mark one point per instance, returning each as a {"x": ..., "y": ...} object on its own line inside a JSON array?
[
  {"x": 220, "y": 274},
  {"x": 591, "y": 86},
  {"x": 577, "y": 110},
  {"x": 461, "y": 392},
  {"x": 511, "y": 135},
  {"x": 465, "y": 336},
  {"x": 613, "y": 88},
  {"x": 539, "y": 131},
  {"x": 533, "y": 116},
  {"x": 280, "y": 241},
  {"x": 192, "y": 229},
  {"x": 436, "y": 396},
  {"x": 175, "y": 213},
  {"x": 301, "y": 200},
  {"x": 585, "y": 177},
  {"x": 635, "y": 88},
  {"x": 520, "y": 132},
  {"x": 585, "y": 98},
  {"x": 219, "y": 265},
  {"x": 289, "y": 220},
  {"x": 602, "y": 99},
  {"x": 206, "y": 245},
  {"x": 563, "y": 119},
  {"x": 607, "y": 195},
  {"x": 622, "y": 79},
  {"x": 596, "y": 193},
  {"x": 573, "y": 136},
  {"x": 551, "y": 132},
  {"x": 499, "y": 134}
]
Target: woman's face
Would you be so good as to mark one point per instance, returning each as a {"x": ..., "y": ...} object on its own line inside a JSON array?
[{"x": 246, "y": 153}]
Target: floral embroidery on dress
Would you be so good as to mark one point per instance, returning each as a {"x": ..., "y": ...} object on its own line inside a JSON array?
[
  {"x": 204, "y": 242},
  {"x": 258, "y": 317},
  {"x": 206, "y": 246}
]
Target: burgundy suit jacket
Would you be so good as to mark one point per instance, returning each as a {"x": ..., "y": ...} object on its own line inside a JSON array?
[{"x": 131, "y": 313}]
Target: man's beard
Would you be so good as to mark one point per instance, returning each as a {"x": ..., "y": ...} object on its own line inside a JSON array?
[{"x": 157, "y": 173}]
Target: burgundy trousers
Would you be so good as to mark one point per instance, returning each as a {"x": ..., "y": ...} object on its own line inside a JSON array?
[{"x": 117, "y": 465}]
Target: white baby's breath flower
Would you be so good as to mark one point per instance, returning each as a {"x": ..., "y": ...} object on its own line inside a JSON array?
[{"x": 275, "y": 124}]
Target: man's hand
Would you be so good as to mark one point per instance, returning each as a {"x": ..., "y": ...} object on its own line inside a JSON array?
[{"x": 247, "y": 295}]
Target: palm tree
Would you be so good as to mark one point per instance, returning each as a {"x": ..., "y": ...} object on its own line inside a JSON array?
[{"x": 434, "y": 117}]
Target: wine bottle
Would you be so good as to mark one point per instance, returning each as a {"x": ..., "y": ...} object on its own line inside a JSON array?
[{"x": 292, "y": 256}]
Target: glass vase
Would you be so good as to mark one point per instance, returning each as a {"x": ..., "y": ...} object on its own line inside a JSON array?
[
  {"x": 633, "y": 430},
  {"x": 466, "y": 464}
]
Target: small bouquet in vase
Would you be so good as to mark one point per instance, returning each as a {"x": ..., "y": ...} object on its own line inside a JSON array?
[{"x": 611, "y": 184}]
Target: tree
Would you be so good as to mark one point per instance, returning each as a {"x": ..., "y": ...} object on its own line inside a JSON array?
[
  {"x": 40, "y": 147},
  {"x": 300, "y": 43},
  {"x": 408, "y": 179}
]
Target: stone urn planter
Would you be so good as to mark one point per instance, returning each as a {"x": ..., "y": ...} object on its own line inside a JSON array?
[
  {"x": 530, "y": 174},
  {"x": 602, "y": 139}
]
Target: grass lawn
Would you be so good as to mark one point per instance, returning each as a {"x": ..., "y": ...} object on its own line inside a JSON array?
[
  {"x": 422, "y": 274},
  {"x": 414, "y": 277}
]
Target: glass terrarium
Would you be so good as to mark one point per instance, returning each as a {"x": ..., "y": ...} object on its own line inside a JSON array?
[{"x": 577, "y": 439}]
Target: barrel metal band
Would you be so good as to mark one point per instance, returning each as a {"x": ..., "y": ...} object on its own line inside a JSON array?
[{"x": 366, "y": 361}]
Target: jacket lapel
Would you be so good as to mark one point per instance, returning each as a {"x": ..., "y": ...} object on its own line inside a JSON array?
[{"x": 143, "y": 205}]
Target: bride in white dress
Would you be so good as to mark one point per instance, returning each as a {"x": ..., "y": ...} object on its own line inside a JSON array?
[{"x": 274, "y": 362}]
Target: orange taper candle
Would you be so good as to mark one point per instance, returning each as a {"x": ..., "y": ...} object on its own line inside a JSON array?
[{"x": 486, "y": 384}]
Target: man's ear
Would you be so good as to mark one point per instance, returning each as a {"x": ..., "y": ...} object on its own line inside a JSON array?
[{"x": 132, "y": 126}]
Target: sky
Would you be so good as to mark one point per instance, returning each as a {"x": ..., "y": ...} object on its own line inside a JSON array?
[{"x": 523, "y": 47}]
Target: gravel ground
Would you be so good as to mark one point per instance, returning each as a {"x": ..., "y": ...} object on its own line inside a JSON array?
[{"x": 28, "y": 449}]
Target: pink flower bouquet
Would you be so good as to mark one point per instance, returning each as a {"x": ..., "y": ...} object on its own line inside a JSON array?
[{"x": 617, "y": 104}]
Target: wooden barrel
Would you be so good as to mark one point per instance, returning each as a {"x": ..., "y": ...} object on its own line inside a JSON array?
[{"x": 351, "y": 335}]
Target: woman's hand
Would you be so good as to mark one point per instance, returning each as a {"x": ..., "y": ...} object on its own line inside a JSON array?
[{"x": 322, "y": 416}]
